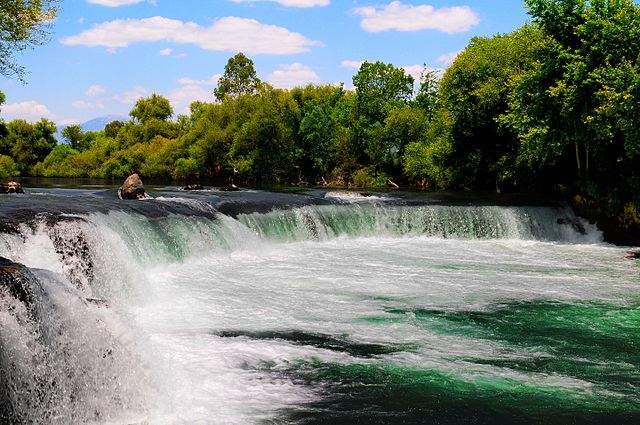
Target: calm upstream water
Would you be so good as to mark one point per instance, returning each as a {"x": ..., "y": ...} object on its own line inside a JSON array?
[{"x": 317, "y": 307}]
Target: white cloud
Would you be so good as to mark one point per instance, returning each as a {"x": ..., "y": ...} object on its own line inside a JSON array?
[
  {"x": 211, "y": 81},
  {"x": 114, "y": 3},
  {"x": 448, "y": 58},
  {"x": 29, "y": 110},
  {"x": 95, "y": 90},
  {"x": 225, "y": 34},
  {"x": 166, "y": 52},
  {"x": 351, "y": 64},
  {"x": 397, "y": 16},
  {"x": 130, "y": 97},
  {"x": 415, "y": 71},
  {"x": 294, "y": 75},
  {"x": 191, "y": 90},
  {"x": 291, "y": 3},
  {"x": 83, "y": 104}
]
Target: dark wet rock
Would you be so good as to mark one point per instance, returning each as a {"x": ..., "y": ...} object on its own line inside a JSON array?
[
  {"x": 74, "y": 251},
  {"x": 191, "y": 187},
  {"x": 576, "y": 224},
  {"x": 11, "y": 187},
  {"x": 366, "y": 194},
  {"x": 9, "y": 227},
  {"x": 633, "y": 255},
  {"x": 98, "y": 302},
  {"x": 230, "y": 188},
  {"x": 311, "y": 225},
  {"x": 15, "y": 279},
  {"x": 132, "y": 188}
]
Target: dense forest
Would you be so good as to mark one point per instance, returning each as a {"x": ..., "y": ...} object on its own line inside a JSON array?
[{"x": 554, "y": 104}]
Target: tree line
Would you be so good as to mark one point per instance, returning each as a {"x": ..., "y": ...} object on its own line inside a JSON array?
[{"x": 554, "y": 103}]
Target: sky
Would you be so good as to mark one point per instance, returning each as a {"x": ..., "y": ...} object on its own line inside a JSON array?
[{"x": 105, "y": 54}]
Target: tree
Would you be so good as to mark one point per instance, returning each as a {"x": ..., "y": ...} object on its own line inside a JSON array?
[
  {"x": 74, "y": 135},
  {"x": 113, "y": 128},
  {"x": 8, "y": 167},
  {"x": 473, "y": 93},
  {"x": 30, "y": 143},
  {"x": 582, "y": 98},
  {"x": 155, "y": 107},
  {"x": 23, "y": 24},
  {"x": 427, "y": 96},
  {"x": 240, "y": 78},
  {"x": 380, "y": 87}
]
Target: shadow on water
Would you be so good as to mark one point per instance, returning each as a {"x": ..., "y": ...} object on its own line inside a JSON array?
[
  {"x": 392, "y": 394},
  {"x": 595, "y": 343},
  {"x": 322, "y": 341}
]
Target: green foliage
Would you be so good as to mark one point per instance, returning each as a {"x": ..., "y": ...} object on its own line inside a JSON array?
[
  {"x": 580, "y": 103},
  {"x": 152, "y": 108},
  {"x": 59, "y": 163},
  {"x": 23, "y": 24},
  {"x": 8, "y": 167},
  {"x": 28, "y": 143},
  {"x": 240, "y": 78},
  {"x": 74, "y": 135},
  {"x": 380, "y": 87},
  {"x": 369, "y": 178},
  {"x": 113, "y": 128},
  {"x": 474, "y": 92}
]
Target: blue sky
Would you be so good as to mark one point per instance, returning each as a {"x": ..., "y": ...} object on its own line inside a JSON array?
[{"x": 104, "y": 54}]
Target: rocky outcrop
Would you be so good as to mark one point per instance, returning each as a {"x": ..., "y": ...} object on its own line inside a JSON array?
[
  {"x": 132, "y": 188},
  {"x": 11, "y": 187},
  {"x": 191, "y": 187}
]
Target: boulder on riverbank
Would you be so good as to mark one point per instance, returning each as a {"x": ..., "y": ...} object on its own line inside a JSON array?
[
  {"x": 132, "y": 188},
  {"x": 11, "y": 187}
]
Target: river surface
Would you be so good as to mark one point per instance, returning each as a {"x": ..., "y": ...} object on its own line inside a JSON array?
[{"x": 317, "y": 307}]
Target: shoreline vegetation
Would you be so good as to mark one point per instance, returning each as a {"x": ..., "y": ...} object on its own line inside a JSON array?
[{"x": 553, "y": 107}]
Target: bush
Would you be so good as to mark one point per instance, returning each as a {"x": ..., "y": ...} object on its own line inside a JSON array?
[
  {"x": 8, "y": 168},
  {"x": 369, "y": 178}
]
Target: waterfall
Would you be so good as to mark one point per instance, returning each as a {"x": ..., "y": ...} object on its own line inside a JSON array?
[{"x": 75, "y": 282}]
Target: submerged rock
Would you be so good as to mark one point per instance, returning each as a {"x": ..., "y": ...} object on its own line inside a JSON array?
[
  {"x": 11, "y": 187},
  {"x": 191, "y": 187},
  {"x": 132, "y": 188},
  {"x": 15, "y": 279}
]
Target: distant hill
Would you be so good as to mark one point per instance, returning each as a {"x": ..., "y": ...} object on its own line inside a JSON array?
[{"x": 96, "y": 124}]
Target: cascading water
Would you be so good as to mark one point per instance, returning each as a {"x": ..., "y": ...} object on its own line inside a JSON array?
[{"x": 354, "y": 312}]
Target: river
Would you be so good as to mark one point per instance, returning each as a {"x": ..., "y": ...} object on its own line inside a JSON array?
[{"x": 313, "y": 307}]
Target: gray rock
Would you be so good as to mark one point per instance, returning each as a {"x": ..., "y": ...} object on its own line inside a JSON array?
[
  {"x": 11, "y": 187},
  {"x": 132, "y": 188}
]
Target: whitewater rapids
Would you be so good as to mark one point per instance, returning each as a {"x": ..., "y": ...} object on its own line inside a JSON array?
[{"x": 358, "y": 312}]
